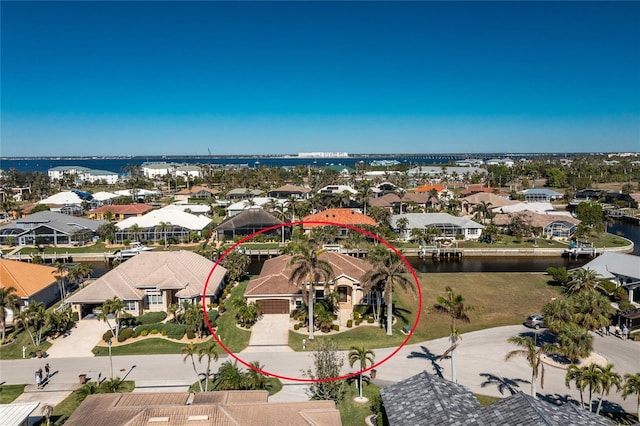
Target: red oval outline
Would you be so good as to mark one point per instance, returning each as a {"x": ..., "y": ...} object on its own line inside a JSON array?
[{"x": 298, "y": 379}]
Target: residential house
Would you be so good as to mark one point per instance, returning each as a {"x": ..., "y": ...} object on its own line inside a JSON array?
[
  {"x": 493, "y": 201},
  {"x": 409, "y": 202},
  {"x": 244, "y": 194},
  {"x": 475, "y": 189},
  {"x": 256, "y": 202},
  {"x": 541, "y": 194},
  {"x": 276, "y": 294},
  {"x": 220, "y": 408},
  {"x": 448, "y": 225},
  {"x": 48, "y": 227},
  {"x": 249, "y": 222},
  {"x": 198, "y": 192},
  {"x": 33, "y": 282},
  {"x": 162, "y": 224},
  {"x": 426, "y": 399},
  {"x": 80, "y": 174},
  {"x": 151, "y": 281},
  {"x": 549, "y": 225},
  {"x": 500, "y": 162},
  {"x": 340, "y": 217},
  {"x": 156, "y": 170},
  {"x": 119, "y": 212},
  {"x": 620, "y": 268},
  {"x": 438, "y": 174},
  {"x": 288, "y": 190},
  {"x": 188, "y": 171}
]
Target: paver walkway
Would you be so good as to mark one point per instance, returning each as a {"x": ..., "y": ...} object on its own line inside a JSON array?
[
  {"x": 270, "y": 334},
  {"x": 84, "y": 337}
]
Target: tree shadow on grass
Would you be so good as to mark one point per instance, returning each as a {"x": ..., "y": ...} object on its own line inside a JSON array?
[
  {"x": 503, "y": 383},
  {"x": 427, "y": 354}
]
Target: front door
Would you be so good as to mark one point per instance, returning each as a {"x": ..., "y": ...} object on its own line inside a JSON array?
[{"x": 344, "y": 296}]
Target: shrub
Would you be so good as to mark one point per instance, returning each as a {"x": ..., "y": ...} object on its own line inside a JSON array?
[
  {"x": 154, "y": 331},
  {"x": 151, "y": 318},
  {"x": 221, "y": 308},
  {"x": 125, "y": 334},
  {"x": 174, "y": 331},
  {"x": 144, "y": 333},
  {"x": 358, "y": 322},
  {"x": 625, "y": 305},
  {"x": 107, "y": 336},
  {"x": 349, "y": 323},
  {"x": 149, "y": 327},
  {"x": 191, "y": 334},
  {"x": 335, "y": 327},
  {"x": 163, "y": 332},
  {"x": 296, "y": 326},
  {"x": 75, "y": 316},
  {"x": 360, "y": 309}
]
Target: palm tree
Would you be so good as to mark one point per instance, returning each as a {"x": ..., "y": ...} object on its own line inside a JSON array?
[
  {"x": 453, "y": 305},
  {"x": 592, "y": 310},
  {"x": 230, "y": 377},
  {"x": 608, "y": 378},
  {"x": 558, "y": 313},
  {"x": 583, "y": 279},
  {"x": 310, "y": 269},
  {"x": 364, "y": 357},
  {"x": 575, "y": 374},
  {"x": 113, "y": 307},
  {"x": 401, "y": 225},
  {"x": 165, "y": 227},
  {"x": 533, "y": 354},
  {"x": 59, "y": 275},
  {"x": 47, "y": 411},
  {"x": 8, "y": 302},
  {"x": 632, "y": 387},
  {"x": 254, "y": 377},
  {"x": 189, "y": 351},
  {"x": 386, "y": 273},
  {"x": 211, "y": 352},
  {"x": 591, "y": 379},
  {"x": 34, "y": 319},
  {"x": 575, "y": 342}
]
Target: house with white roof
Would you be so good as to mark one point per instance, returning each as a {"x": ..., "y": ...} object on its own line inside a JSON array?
[
  {"x": 49, "y": 227},
  {"x": 541, "y": 194},
  {"x": 622, "y": 269},
  {"x": 257, "y": 202},
  {"x": 154, "y": 170},
  {"x": 83, "y": 174},
  {"x": 337, "y": 189},
  {"x": 158, "y": 225},
  {"x": 448, "y": 225},
  {"x": 188, "y": 171}
]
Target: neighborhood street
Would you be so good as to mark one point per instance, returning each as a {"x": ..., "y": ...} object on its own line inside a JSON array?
[{"x": 480, "y": 366}]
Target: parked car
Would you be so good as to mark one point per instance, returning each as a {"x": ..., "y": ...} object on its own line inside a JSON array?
[{"x": 535, "y": 321}]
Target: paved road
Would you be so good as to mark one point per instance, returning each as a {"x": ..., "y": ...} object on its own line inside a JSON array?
[{"x": 481, "y": 365}]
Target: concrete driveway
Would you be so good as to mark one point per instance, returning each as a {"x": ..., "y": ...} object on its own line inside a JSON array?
[
  {"x": 83, "y": 337},
  {"x": 270, "y": 334}
]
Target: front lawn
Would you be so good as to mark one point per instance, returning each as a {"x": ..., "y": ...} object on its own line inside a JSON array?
[
  {"x": 13, "y": 350},
  {"x": 143, "y": 347},
  {"x": 353, "y": 413},
  {"x": 8, "y": 393},
  {"x": 234, "y": 338},
  {"x": 498, "y": 299}
]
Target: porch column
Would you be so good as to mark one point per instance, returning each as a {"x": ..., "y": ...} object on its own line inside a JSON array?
[{"x": 631, "y": 294}]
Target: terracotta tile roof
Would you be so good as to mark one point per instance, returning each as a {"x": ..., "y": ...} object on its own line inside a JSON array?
[
  {"x": 27, "y": 278},
  {"x": 292, "y": 188},
  {"x": 488, "y": 197},
  {"x": 342, "y": 216},
  {"x": 427, "y": 188},
  {"x": 123, "y": 209},
  {"x": 474, "y": 190},
  {"x": 232, "y": 408},
  {"x": 275, "y": 273}
]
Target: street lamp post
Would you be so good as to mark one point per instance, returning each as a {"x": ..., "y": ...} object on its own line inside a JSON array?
[{"x": 110, "y": 360}]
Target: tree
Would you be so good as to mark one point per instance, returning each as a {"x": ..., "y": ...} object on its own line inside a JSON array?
[
  {"x": 8, "y": 303},
  {"x": 482, "y": 210},
  {"x": 592, "y": 310},
  {"x": 589, "y": 213},
  {"x": 575, "y": 342},
  {"x": 113, "y": 307},
  {"x": 489, "y": 233},
  {"x": 386, "y": 273},
  {"x": 453, "y": 306},
  {"x": 254, "y": 378},
  {"x": 559, "y": 275},
  {"x": 591, "y": 380},
  {"x": 632, "y": 387},
  {"x": 165, "y": 227},
  {"x": 230, "y": 377},
  {"x": 583, "y": 279},
  {"x": 310, "y": 269},
  {"x": 575, "y": 374},
  {"x": 236, "y": 264},
  {"x": 607, "y": 378},
  {"x": 401, "y": 225},
  {"x": 327, "y": 362},
  {"x": 210, "y": 351},
  {"x": 34, "y": 319},
  {"x": 362, "y": 356},
  {"x": 533, "y": 354},
  {"x": 59, "y": 275},
  {"x": 189, "y": 351}
]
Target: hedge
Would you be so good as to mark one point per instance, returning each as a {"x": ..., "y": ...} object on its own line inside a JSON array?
[
  {"x": 174, "y": 331},
  {"x": 107, "y": 336},
  {"x": 151, "y": 318}
]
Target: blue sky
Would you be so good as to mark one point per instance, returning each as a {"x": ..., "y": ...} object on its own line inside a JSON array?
[{"x": 164, "y": 78}]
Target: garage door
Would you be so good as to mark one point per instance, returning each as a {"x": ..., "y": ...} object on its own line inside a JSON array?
[{"x": 274, "y": 306}]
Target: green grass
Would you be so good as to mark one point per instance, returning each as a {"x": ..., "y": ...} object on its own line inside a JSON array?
[
  {"x": 274, "y": 384},
  {"x": 351, "y": 412},
  {"x": 231, "y": 336},
  {"x": 485, "y": 400},
  {"x": 8, "y": 393},
  {"x": 13, "y": 350},
  {"x": 497, "y": 299},
  {"x": 67, "y": 406},
  {"x": 142, "y": 347}
]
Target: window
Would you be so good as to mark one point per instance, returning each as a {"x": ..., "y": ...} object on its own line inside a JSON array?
[
  {"x": 154, "y": 298},
  {"x": 319, "y": 294},
  {"x": 298, "y": 304},
  {"x": 130, "y": 305}
]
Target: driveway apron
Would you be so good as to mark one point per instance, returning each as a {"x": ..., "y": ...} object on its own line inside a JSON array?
[
  {"x": 83, "y": 337},
  {"x": 270, "y": 334}
]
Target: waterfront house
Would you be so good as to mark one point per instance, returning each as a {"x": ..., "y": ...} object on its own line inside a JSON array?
[
  {"x": 157, "y": 170},
  {"x": 339, "y": 216},
  {"x": 188, "y": 171},
  {"x": 549, "y": 225},
  {"x": 33, "y": 282},
  {"x": 288, "y": 190},
  {"x": 80, "y": 174},
  {"x": 51, "y": 228},
  {"x": 248, "y": 222},
  {"x": 161, "y": 224},
  {"x": 151, "y": 281},
  {"x": 119, "y": 212},
  {"x": 221, "y": 408},
  {"x": 541, "y": 194},
  {"x": 277, "y": 295},
  {"x": 620, "y": 268},
  {"x": 197, "y": 192},
  {"x": 493, "y": 201},
  {"x": 408, "y": 202},
  {"x": 438, "y": 174},
  {"x": 243, "y": 194},
  {"x": 448, "y": 225},
  {"x": 426, "y": 399},
  {"x": 337, "y": 189},
  {"x": 257, "y": 202},
  {"x": 475, "y": 189}
]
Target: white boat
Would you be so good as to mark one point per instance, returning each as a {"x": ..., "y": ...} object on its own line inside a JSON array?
[{"x": 135, "y": 248}]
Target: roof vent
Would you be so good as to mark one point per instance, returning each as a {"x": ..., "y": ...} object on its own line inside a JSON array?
[
  {"x": 201, "y": 417},
  {"x": 164, "y": 419}
]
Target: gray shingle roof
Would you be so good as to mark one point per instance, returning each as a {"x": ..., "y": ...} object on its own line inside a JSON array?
[{"x": 425, "y": 399}]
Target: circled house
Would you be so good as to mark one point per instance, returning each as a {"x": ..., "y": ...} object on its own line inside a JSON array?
[{"x": 277, "y": 295}]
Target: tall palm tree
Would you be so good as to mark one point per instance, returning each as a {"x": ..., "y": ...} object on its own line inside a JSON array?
[
  {"x": 591, "y": 379},
  {"x": 210, "y": 351},
  {"x": 608, "y": 378},
  {"x": 362, "y": 356},
  {"x": 59, "y": 274},
  {"x": 387, "y": 272},
  {"x": 453, "y": 306},
  {"x": 8, "y": 302},
  {"x": 34, "y": 319},
  {"x": 575, "y": 342},
  {"x": 113, "y": 307},
  {"x": 576, "y": 374},
  {"x": 592, "y": 310},
  {"x": 254, "y": 377},
  {"x": 165, "y": 227},
  {"x": 558, "y": 313},
  {"x": 533, "y": 354},
  {"x": 583, "y": 279},
  {"x": 310, "y": 269},
  {"x": 190, "y": 351},
  {"x": 632, "y": 387}
]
